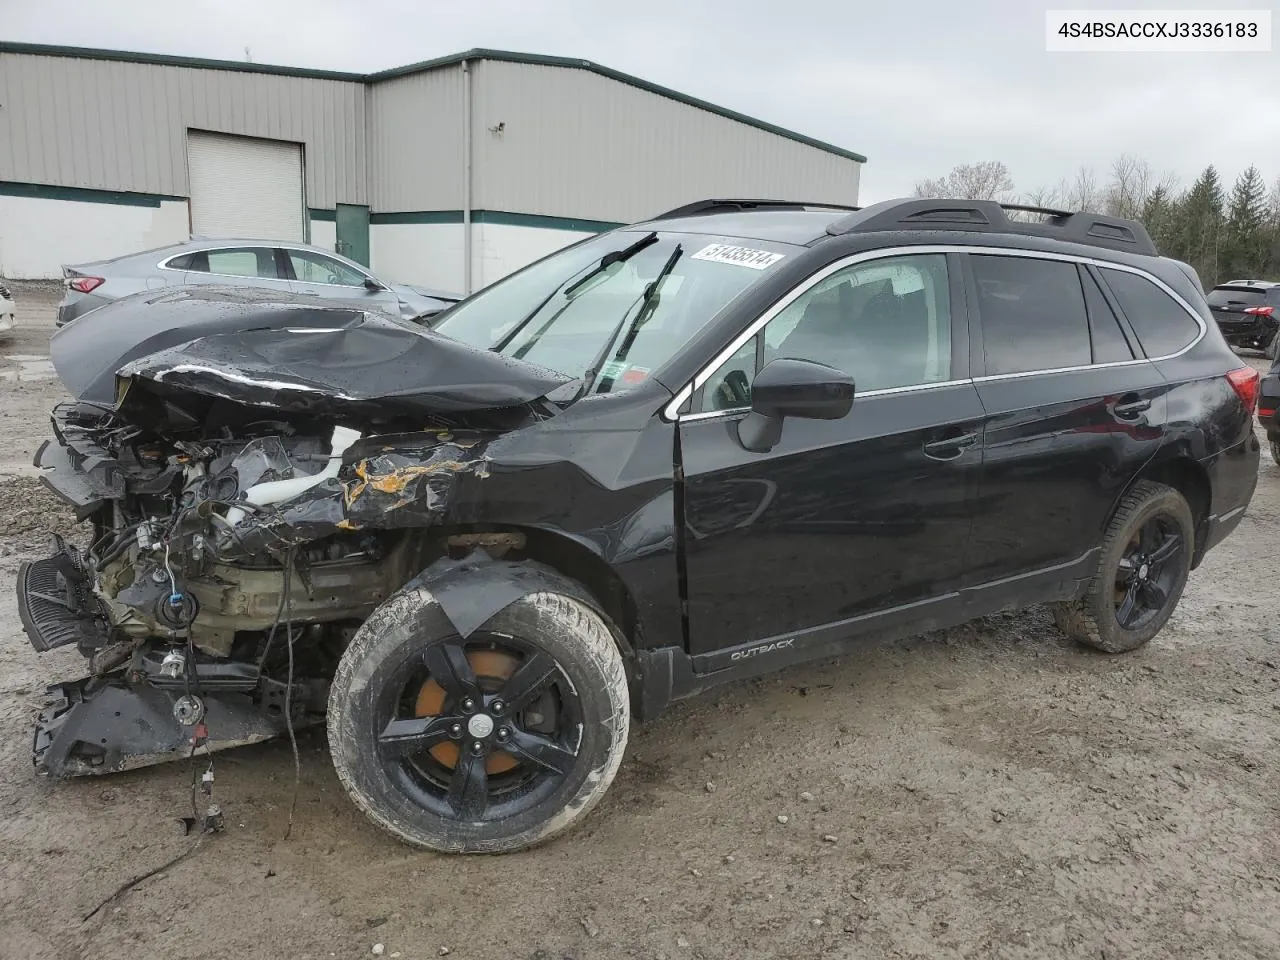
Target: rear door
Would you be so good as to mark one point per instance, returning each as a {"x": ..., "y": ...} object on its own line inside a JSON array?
[
  {"x": 1073, "y": 412},
  {"x": 230, "y": 266},
  {"x": 842, "y": 524}
]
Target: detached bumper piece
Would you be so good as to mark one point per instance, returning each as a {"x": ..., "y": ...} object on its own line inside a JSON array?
[
  {"x": 105, "y": 725},
  {"x": 57, "y": 605}
]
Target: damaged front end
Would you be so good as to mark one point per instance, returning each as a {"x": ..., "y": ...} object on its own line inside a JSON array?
[{"x": 252, "y": 498}]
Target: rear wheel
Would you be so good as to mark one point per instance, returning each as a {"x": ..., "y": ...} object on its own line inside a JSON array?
[
  {"x": 1275, "y": 451},
  {"x": 1274, "y": 349},
  {"x": 1146, "y": 557},
  {"x": 486, "y": 744}
]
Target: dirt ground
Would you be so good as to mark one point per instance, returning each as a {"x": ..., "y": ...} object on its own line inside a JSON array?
[{"x": 990, "y": 791}]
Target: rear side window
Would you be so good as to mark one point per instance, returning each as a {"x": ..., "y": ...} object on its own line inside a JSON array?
[
  {"x": 257, "y": 262},
  {"x": 180, "y": 263},
  {"x": 1109, "y": 342},
  {"x": 1033, "y": 314},
  {"x": 1162, "y": 325}
]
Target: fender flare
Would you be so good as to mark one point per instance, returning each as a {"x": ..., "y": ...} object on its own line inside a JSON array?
[{"x": 474, "y": 589}]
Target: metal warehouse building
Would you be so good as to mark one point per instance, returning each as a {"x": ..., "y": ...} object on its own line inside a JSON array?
[{"x": 449, "y": 173}]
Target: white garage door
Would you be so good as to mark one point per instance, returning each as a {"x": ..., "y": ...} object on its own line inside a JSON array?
[{"x": 245, "y": 187}]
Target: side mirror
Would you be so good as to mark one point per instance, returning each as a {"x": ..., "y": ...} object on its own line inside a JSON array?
[
  {"x": 372, "y": 285},
  {"x": 792, "y": 388}
]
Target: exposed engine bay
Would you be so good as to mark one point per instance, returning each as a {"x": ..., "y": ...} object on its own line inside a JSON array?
[{"x": 244, "y": 522}]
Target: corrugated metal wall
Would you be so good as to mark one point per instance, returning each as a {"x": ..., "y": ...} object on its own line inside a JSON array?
[
  {"x": 415, "y": 142},
  {"x": 115, "y": 125},
  {"x": 576, "y": 144}
]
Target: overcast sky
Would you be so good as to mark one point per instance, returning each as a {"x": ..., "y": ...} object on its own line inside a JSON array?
[{"x": 917, "y": 86}]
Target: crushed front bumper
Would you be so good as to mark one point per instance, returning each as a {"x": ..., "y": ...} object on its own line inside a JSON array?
[{"x": 107, "y": 724}]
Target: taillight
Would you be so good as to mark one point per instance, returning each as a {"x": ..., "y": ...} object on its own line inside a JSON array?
[
  {"x": 86, "y": 284},
  {"x": 1245, "y": 380},
  {"x": 1260, "y": 311},
  {"x": 1266, "y": 413}
]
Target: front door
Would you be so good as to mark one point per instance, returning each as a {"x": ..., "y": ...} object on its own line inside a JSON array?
[
  {"x": 337, "y": 283},
  {"x": 843, "y": 524},
  {"x": 352, "y": 230}
]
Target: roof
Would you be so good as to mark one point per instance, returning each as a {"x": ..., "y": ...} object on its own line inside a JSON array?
[{"x": 479, "y": 53}]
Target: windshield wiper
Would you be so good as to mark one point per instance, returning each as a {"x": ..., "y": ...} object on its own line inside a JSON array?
[
  {"x": 608, "y": 260},
  {"x": 648, "y": 304}
]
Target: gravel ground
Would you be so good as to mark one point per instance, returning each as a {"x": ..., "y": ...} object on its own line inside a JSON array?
[{"x": 988, "y": 791}]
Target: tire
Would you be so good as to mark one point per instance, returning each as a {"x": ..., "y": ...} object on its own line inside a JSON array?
[
  {"x": 1275, "y": 451},
  {"x": 416, "y": 797},
  {"x": 1274, "y": 348},
  {"x": 1148, "y": 509}
]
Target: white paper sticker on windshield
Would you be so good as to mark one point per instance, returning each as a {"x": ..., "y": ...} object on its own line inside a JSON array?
[{"x": 741, "y": 256}]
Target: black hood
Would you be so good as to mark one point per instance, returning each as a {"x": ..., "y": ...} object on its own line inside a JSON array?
[
  {"x": 88, "y": 351},
  {"x": 288, "y": 358}
]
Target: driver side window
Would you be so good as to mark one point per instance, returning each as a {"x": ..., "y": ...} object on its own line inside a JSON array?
[
  {"x": 312, "y": 267},
  {"x": 885, "y": 322}
]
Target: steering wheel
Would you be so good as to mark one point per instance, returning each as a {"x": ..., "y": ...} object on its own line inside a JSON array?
[{"x": 733, "y": 391}]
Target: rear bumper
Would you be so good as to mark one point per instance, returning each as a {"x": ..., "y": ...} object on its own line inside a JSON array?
[
  {"x": 76, "y": 305},
  {"x": 1233, "y": 477},
  {"x": 1249, "y": 334}
]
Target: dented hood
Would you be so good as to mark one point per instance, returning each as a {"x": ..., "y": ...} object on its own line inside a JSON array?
[{"x": 369, "y": 368}]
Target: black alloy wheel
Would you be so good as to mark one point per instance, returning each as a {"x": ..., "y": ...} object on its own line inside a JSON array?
[
  {"x": 1148, "y": 572},
  {"x": 1142, "y": 568},
  {"x": 480, "y": 729},
  {"x": 487, "y": 744}
]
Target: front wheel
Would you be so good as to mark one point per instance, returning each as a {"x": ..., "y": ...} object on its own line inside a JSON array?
[
  {"x": 487, "y": 744},
  {"x": 1145, "y": 561}
]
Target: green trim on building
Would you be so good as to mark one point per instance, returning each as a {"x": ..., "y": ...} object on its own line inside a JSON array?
[
  {"x": 542, "y": 222},
  {"x": 507, "y": 56},
  {"x": 44, "y": 191},
  {"x": 417, "y": 216},
  {"x": 329, "y": 216},
  {"x": 497, "y": 217}
]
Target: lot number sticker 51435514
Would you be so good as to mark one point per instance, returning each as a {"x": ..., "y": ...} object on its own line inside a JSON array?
[{"x": 740, "y": 256}]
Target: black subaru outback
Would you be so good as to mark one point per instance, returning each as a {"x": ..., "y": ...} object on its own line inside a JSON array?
[{"x": 732, "y": 438}]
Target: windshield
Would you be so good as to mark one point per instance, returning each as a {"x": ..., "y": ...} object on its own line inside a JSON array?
[{"x": 567, "y": 310}]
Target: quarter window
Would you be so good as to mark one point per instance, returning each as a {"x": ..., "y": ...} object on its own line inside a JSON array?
[
  {"x": 1033, "y": 314},
  {"x": 310, "y": 267},
  {"x": 886, "y": 323},
  {"x": 1109, "y": 342},
  {"x": 1162, "y": 325}
]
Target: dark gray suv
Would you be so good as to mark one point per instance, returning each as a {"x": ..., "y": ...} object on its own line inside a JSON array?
[{"x": 1248, "y": 313}]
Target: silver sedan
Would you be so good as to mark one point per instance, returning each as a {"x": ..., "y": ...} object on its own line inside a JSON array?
[{"x": 295, "y": 268}]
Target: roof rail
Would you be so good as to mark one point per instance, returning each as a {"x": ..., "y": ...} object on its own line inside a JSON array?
[
  {"x": 700, "y": 207},
  {"x": 987, "y": 216}
]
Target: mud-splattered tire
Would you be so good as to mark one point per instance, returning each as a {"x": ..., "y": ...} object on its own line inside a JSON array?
[
  {"x": 416, "y": 798},
  {"x": 1096, "y": 620}
]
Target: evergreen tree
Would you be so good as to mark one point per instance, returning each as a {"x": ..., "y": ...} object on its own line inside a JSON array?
[
  {"x": 1246, "y": 243},
  {"x": 1201, "y": 226}
]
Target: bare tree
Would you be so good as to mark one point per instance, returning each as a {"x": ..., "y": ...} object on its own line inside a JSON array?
[
  {"x": 985, "y": 180},
  {"x": 1082, "y": 194},
  {"x": 1130, "y": 185}
]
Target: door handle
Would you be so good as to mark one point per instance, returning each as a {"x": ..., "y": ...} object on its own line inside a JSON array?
[
  {"x": 950, "y": 447},
  {"x": 1130, "y": 406}
]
